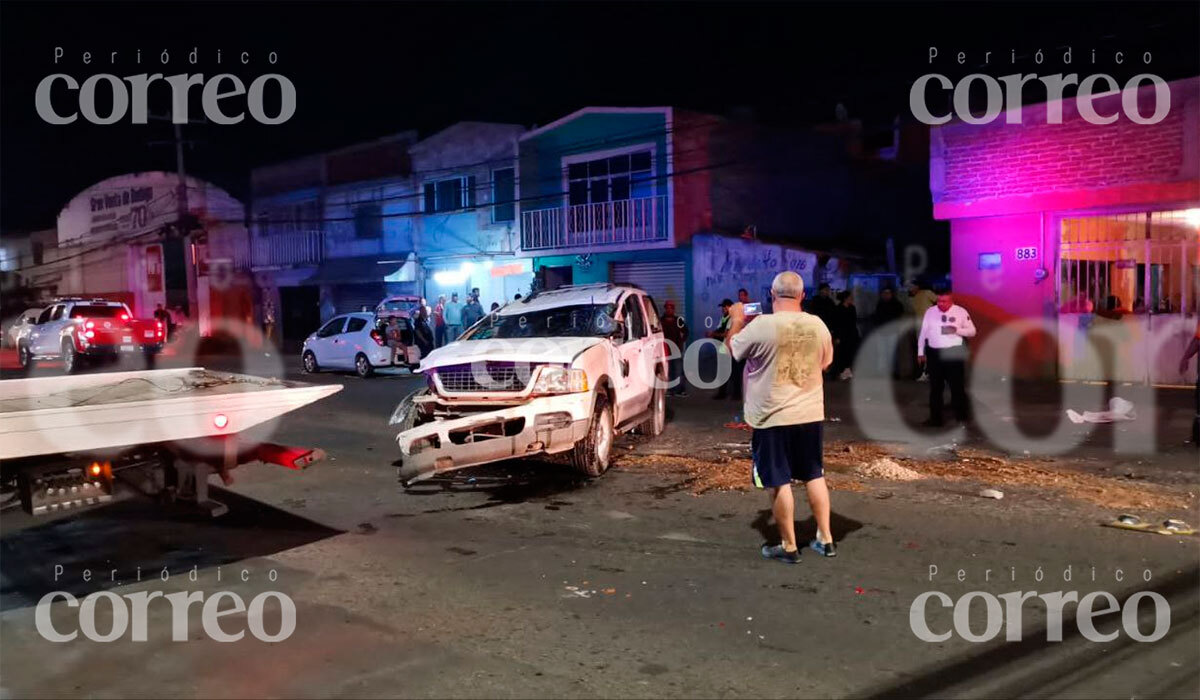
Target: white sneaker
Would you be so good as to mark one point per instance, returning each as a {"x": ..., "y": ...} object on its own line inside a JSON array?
[
  {"x": 923, "y": 378},
  {"x": 846, "y": 375}
]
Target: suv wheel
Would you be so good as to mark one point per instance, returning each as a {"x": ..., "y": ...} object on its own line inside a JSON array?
[
  {"x": 657, "y": 422},
  {"x": 362, "y": 366},
  {"x": 592, "y": 455},
  {"x": 25, "y": 357},
  {"x": 70, "y": 358}
]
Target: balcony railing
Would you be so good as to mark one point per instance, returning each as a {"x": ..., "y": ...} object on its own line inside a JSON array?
[
  {"x": 642, "y": 220},
  {"x": 281, "y": 249}
]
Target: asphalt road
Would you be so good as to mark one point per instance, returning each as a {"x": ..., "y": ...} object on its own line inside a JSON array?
[{"x": 518, "y": 580}]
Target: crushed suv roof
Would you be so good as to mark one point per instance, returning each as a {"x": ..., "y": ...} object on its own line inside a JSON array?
[{"x": 574, "y": 295}]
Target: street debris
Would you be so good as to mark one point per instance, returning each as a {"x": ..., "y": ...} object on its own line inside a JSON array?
[
  {"x": 1169, "y": 527},
  {"x": 887, "y": 469},
  {"x": 991, "y": 493},
  {"x": 1118, "y": 410},
  {"x": 844, "y": 460}
]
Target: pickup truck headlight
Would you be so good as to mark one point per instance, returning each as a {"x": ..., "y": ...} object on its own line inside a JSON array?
[{"x": 560, "y": 380}]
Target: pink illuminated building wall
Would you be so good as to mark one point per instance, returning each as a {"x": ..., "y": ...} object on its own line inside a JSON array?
[{"x": 1005, "y": 188}]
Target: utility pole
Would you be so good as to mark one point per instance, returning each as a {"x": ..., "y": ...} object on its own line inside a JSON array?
[{"x": 183, "y": 221}]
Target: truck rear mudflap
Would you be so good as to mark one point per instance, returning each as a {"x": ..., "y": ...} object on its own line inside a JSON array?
[{"x": 518, "y": 431}]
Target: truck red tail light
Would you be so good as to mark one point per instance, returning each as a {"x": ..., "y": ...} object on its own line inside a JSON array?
[
  {"x": 124, "y": 317},
  {"x": 220, "y": 421},
  {"x": 378, "y": 338},
  {"x": 89, "y": 325}
]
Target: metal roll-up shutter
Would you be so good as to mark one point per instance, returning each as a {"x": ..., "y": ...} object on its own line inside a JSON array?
[
  {"x": 353, "y": 297},
  {"x": 665, "y": 281}
]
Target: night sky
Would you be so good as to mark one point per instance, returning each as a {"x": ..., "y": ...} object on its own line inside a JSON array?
[{"x": 366, "y": 70}]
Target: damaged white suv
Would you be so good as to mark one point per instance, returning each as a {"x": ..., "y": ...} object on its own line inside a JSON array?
[{"x": 561, "y": 371}]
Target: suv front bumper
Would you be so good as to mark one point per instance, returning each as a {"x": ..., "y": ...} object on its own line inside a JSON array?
[{"x": 548, "y": 424}]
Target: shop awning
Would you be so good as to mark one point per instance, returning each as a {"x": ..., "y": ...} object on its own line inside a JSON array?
[{"x": 366, "y": 268}]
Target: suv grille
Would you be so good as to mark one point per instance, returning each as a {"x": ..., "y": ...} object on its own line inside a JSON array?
[{"x": 490, "y": 376}]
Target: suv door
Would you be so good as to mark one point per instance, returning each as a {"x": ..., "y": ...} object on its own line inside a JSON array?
[
  {"x": 44, "y": 340},
  {"x": 635, "y": 390},
  {"x": 653, "y": 351}
]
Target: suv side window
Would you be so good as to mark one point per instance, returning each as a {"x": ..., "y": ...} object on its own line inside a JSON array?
[
  {"x": 635, "y": 322},
  {"x": 652, "y": 315},
  {"x": 356, "y": 324},
  {"x": 57, "y": 313},
  {"x": 332, "y": 328},
  {"x": 44, "y": 316}
]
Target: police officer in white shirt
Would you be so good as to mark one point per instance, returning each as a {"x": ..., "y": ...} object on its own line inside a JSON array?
[{"x": 941, "y": 340}]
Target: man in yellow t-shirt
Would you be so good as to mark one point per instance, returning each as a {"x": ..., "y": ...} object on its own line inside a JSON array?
[{"x": 786, "y": 353}]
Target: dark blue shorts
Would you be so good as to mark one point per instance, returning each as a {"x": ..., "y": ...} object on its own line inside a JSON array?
[{"x": 787, "y": 452}]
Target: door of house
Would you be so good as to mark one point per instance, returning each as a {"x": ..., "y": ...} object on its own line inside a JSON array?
[{"x": 1128, "y": 286}]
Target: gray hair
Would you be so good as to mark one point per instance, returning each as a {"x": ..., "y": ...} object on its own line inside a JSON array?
[{"x": 787, "y": 285}]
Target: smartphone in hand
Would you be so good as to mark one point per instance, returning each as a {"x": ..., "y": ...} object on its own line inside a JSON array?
[{"x": 753, "y": 308}]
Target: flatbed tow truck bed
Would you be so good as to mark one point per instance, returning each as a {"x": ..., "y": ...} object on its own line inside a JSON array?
[{"x": 63, "y": 438}]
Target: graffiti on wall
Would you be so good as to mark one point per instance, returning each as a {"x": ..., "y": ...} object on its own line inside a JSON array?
[{"x": 723, "y": 265}]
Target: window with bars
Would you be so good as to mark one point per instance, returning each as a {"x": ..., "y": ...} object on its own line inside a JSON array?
[
  {"x": 450, "y": 194},
  {"x": 611, "y": 179}
]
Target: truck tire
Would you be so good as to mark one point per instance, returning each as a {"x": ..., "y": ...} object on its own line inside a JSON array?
[
  {"x": 592, "y": 455},
  {"x": 71, "y": 361},
  {"x": 25, "y": 358},
  {"x": 362, "y": 366},
  {"x": 657, "y": 422}
]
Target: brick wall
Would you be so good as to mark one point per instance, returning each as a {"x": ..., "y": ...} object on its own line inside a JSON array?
[{"x": 976, "y": 163}]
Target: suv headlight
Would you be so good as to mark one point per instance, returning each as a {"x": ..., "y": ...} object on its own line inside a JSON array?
[{"x": 560, "y": 380}]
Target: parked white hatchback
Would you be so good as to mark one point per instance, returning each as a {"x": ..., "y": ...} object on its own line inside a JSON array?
[{"x": 357, "y": 342}]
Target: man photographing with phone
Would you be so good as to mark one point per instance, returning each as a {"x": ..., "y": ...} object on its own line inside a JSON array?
[{"x": 786, "y": 353}]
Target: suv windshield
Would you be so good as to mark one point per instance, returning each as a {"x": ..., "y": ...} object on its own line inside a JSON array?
[
  {"x": 96, "y": 311},
  {"x": 584, "y": 320}
]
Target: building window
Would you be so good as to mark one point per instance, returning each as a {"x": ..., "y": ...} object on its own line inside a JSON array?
[
  {"x": 611, "y": 179},
  {"x": 504, "y": 195},
  {"x": 450, "y": 194},
  {"x": 368, "y": 221}
]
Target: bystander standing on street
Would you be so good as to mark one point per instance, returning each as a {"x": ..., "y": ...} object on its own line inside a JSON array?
[
  {"x": 439, "y": 321},
  {"x": 453, "y": 313},
  {"x": 920, "y": 299},
  {"x": 675, "y": 331},
  {"x": 422, "y": 333},
  {"x": 786, "y": 353},
  {"x": 1192, "y": 350},
  {"x": 732, "y": 385},
  {"x": 846, "y": 337},
  {"x": 888, "y": 310},
  {"x": 269, "y": 321},
  {"x": 823, "y": 305},
  {"x": 472, "y": 311},
  {"x": 943, "y": 329}
]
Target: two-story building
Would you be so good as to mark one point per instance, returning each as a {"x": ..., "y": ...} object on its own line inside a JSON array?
[
  {"x": 337, "y": 231},
  {"x": 689, "y": 206}
]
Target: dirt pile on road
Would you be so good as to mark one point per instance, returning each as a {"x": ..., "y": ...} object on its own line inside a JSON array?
[
  {"x": 847, "y": 463},
  {"x": 887, "y": 469}
]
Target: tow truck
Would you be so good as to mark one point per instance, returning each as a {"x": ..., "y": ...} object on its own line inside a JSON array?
[
  {"x": 67, "y": 442},
  {"x": 77, "y": 330}
]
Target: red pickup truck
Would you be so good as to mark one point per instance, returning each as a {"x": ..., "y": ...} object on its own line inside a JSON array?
[{"x": 78, "y": 330}]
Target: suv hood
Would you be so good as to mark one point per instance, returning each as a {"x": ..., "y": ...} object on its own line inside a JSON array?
[{"x": 532, "y": 350}]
